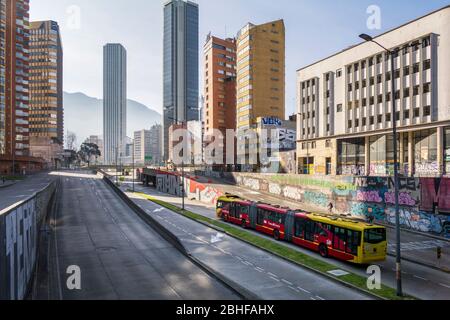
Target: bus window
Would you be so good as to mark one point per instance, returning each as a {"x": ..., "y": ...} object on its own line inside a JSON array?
[
  {"x": 310, "y": 228},
  {"x": 339, "y": 238},
  {"x": 244, "y": 209},
  {"x": 299, "y": 228},
  {"x": 375, "y": 236},
  {"x": 220, "y": 205},
  {"x": 353, "y": 242},
  {"x": 261, "y": 217}
]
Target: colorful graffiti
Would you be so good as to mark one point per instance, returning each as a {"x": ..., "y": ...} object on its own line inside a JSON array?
[
  {"x": 366, "y": 210},
  {"x": 318, "y": 199},
  {"x": 414, "y": 219},
  {"x": 368, "y": 196},
  {"x": 292, "y": 193}
]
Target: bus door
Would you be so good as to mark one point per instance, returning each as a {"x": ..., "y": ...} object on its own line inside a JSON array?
[
  {"x": 310, "y": 230},
  {"x": 253, "y": 216},
  {"x": 289, "y": 226}
]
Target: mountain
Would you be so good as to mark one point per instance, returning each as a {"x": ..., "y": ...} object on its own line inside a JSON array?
[{"x": 83, "y": 115}]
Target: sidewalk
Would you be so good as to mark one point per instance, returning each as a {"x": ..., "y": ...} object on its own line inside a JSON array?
[{"x": 7, "y": 184}]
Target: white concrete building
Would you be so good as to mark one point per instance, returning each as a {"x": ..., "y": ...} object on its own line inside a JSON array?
[{"x": 344, "y": 105}]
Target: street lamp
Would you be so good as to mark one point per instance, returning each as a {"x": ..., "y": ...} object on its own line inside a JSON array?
[
  {"x": 392, "y": 53},
  {"x": 182, "y": 165}
]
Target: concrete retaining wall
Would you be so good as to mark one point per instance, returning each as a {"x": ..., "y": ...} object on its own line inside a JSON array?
[{"x": 19, "y": 232}]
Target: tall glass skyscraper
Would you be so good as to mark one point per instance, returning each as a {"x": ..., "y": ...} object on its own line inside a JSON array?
[
  {"x": 181, "y": 63},
  {"x": 114, "y": 102}
]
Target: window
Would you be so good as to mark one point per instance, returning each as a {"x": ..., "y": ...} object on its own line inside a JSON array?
[
  {"x": 339, "y": 73},
  {"x": 427, "y": 64},
  {"x": 351, "y": 154},
  {"x": 299, "y": 228},
  {"x": 406, "y": 70},
  {"x": 427, "y": 87},
  {"x": 375, "y": 236},
  {"x": 425, "y": 146},
  {"x": 416, "y": 68},
  {"x": 372, "y": 120},
  {"x": 416, "y": 90},
  {"x": 406, "y": 93},
  {"x": 426, "y": 111},
  {"x": 339, "y": 107}
]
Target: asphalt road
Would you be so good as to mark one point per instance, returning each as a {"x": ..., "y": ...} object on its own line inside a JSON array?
[
  {"x": 119, "y": 256},
  {"x": 23, "y": 189},
  {"x": 420, "y": 281},
  {"x": 267, "y": 276}
]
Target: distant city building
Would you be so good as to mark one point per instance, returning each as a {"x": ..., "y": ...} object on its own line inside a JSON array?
[
  {"x": 273, "y": 137},
  {"x": 156, "y": 144},
  {"x": 345, "y": 104},
  {"x": 14, "y": 89},
  {"x": 260, "y": 81},
  {"x": 46, "y": 92},
  {"x": 219, "y": 87},
  {"x": 114, "y": 102},
  {"x": 142, "y": 146},
  {"x": 181, "y": 64}
]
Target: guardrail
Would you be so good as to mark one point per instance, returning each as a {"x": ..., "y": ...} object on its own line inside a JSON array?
[{"x": 19, "y": 238}]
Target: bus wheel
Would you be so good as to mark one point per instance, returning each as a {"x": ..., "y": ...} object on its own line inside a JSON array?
[
  {"x": 244, "y": 224},
  {"x": 276, "y": 235},
  {"x": 323, "y": 250}
]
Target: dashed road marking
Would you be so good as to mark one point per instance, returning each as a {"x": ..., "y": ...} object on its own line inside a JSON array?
[
  {"x": 320, "y": 298},
  {"x": 292, "y": 288},
  {"x": 287, "y": 282},
  {"x": 420, "y": 278},
  {"x": 275, "y": 279},
  {"x": 272, "y": 275},
  {"x": 444, "y": 285},
  {"x": 304, "y": 290},
  {"x": 259, "y": 269}
]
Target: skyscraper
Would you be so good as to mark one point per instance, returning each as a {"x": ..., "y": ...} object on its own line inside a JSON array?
[
  {"x": 114, "y": 102},
  {"x": 181, "y": 62},
  {"x": 14, "y": 88},
  {"x": 260, "y": 79},
  {"x": 46, "y": 91}
]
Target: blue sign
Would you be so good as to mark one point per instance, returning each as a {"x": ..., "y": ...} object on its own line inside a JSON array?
[{"x": 272, "y": 122}]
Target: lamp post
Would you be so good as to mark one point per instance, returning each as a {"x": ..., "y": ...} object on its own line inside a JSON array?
[
  {"x": 182, "y": 166},
  {"x": 392, "y": 53}
]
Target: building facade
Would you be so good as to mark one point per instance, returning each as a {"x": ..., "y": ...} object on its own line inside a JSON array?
[
  {"x": 156, "y": 144},
  {"x": 142, "y": 145},
  {"x": 181, "y": 64},
  {"x": 46, "y": 91},
  {"x": 345, "y": 104},
  {"x": 97, "y": 140},
  {"x": 114, "y": 102},
  {"x": 219, "y": 111},
  {"x": 14, "y": 87},
  {"x": 260, "y": 80}
]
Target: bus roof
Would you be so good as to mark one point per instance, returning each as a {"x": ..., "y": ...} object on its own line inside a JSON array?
[{"x": 340, "y": 222}]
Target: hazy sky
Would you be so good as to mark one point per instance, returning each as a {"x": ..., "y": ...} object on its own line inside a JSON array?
[{"x": 314, "y": 30}]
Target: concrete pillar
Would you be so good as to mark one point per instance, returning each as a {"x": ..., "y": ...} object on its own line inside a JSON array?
[
  {"x": 334, "y": 158},
  {"x": 440, "y": 150},
  {"x": 411, "y": 154},
  {"x": 367, "y": 156}
]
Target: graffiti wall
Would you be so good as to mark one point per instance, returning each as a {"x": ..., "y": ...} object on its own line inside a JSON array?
[
  {"x": 424, "y": 202},
  {"x": 171, "y": 183}
]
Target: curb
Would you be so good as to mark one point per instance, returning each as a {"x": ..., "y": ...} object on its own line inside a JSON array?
[
  {"x": 348, "y": 285},
  {"x": 7, "y": 185},
  {"x": 175, "y": 241},
  {"x": 424, "y": 264}
]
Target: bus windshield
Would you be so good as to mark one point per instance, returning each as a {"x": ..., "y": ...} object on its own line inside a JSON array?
[{"x": 374, "y": 236}]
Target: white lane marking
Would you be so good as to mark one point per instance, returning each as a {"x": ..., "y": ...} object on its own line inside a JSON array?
[
  {"x": 248, "y": 263},
  {"x": 292, "y": 288},
  {"x": 320, "y": 298},
  {"x": 272, "y": 275},
  {"x": 304, "y": 290},
  {"x": 420, "y": 278},
  {"x": 444, "y": 285},
  {"x": 259, "y": 269},
  {"x": 287, "y": 282},
  {"x": 312, "y": 298},
  {"x": 275, "y": 279}
]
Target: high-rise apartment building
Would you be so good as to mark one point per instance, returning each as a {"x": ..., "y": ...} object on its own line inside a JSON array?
[
  {"x": 181, "y": 64},
  {"x": 260, "y": 80},
  {"x": 114, "y": 102},
  {"x": 46, "y": 91},
  {"x": 345, "y": 104},
  {"x": 14, "y": 88},
  {"x": 219, "y": 108}
]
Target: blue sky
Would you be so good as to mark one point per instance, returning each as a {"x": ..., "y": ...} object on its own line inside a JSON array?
[{"x": 314, "y": 30}]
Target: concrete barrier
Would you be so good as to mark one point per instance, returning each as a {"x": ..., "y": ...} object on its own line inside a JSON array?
[{"x": 19, "y": 237}]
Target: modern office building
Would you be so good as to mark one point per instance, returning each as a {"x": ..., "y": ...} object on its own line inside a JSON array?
[
  {"x": 97, "y": 140},
  {"x": 14, "y": 89},
  {"x": 156, "y": 144},
  {"x": 219, "y": 87},
  {"x": 114, "y": 102},
  {"x": 46, "y": 92},
  {"x": 181, "y": 64},
  {"x": 142, "y": 145},
  {"x": 260, "y": 81},
  {"x": 345, "y": 104}
]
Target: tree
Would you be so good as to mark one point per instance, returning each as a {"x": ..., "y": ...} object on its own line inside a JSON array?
[
  {"x": 71, "y": 140},
  {"x": 87, "y": 151}
]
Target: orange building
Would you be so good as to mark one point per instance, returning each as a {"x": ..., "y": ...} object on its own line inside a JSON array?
[
  {"x": 220, "y": 86},
  {"x": 14, "y": 79}
]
